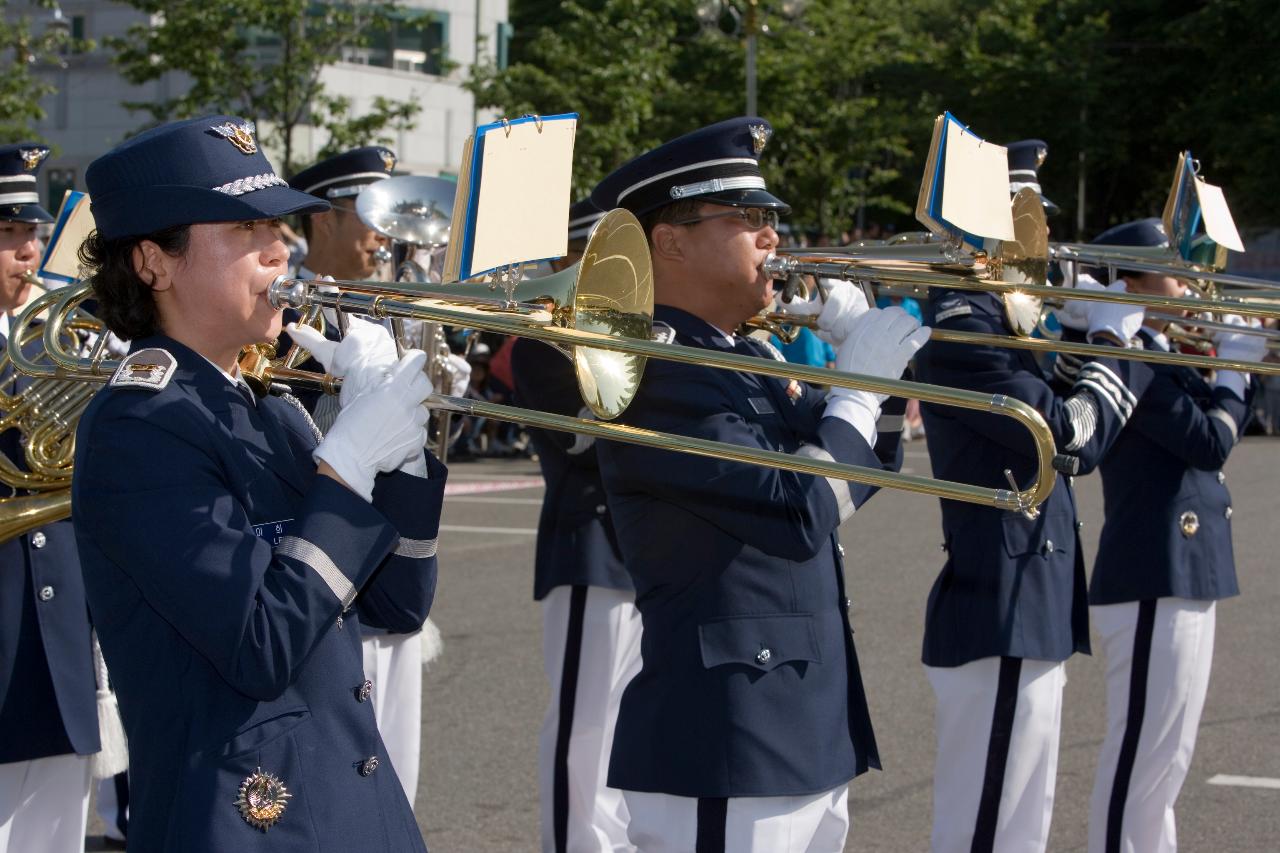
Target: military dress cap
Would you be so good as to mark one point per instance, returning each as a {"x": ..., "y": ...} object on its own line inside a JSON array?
[
  {"x": 719, "y": 163},
  {"x": 1141, "y": 232},
  {"x": 347, "y": 173},
  {"x": 1025, "y": 157},
  {"x": 206, "y": 169},
  {"x": 19, "y": 201},
  {"x": 582, "y": 218}
]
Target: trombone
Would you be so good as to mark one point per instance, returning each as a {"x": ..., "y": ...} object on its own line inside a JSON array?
[
  {"x": 1016, "y": 271},
  {"x": 599, "y": 313}
]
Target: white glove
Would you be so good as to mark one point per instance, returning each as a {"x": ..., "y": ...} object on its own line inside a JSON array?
[
  {"x": 1121, "y": 320},
  {"x": 459, "y": 375},
  {"x": 1075, "y": 313},
  {"x": 361, "y": 359},
  {"x": 1238, "y": 346},
  {"x": 382, "y": 429},
  {"x": 881, "y": 343},
  {"x": 837, "y": 313}
]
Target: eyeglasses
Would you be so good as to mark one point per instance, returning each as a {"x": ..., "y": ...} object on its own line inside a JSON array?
[{"x": 756, "y": 217}]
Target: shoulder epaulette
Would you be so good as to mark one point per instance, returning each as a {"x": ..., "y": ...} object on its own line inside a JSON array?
[
  {"x": 148, "y": 368},
  {"x": 663, "y": 333}
]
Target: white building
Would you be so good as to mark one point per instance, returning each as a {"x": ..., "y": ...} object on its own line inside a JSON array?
[{"x": 425, "y": 59}]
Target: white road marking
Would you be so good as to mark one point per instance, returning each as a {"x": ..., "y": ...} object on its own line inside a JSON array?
[
  {"x": 466, "y": 528},
  {"x": 1245, "y": 781}
]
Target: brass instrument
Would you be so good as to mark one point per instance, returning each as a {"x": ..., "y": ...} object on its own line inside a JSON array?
[
  {"x": 599, "y": 313},
  {"x": 45, "y": 413},
  {"x": 1017, "y": 273}
]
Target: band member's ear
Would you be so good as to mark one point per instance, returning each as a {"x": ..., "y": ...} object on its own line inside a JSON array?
[{"x": 666, "y": 242}]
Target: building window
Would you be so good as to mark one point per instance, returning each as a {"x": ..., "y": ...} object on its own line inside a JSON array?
[
  {"x": 417, "y": 42},
  {"x": 502, "y": 44},
  {"x": 59, "y": 180}
]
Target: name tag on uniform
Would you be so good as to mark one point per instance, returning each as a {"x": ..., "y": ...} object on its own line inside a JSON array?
[
  {"x": 761, "y": 405},
  {"x": 273, "y": 531}
]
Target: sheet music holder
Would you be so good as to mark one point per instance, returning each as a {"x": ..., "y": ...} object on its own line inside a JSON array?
[
  {"x": 965, "y": 190},
  {"x": 1193, "y": 203},
  {"x": 512, "y": 202},
  {"x": 72, "y": 225}
]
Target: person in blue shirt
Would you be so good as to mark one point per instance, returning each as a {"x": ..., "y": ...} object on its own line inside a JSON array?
[
  {"x": 224, "y": 549},
  {"x": 1164, "y": 561},
  {"x": 747, "y": 720}
]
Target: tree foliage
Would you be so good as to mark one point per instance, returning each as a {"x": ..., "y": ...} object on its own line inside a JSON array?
[
  {"x": 1115, "y": 87},
  {"x": 261, "y": 60},
  {"x": 27, "y": 42}
]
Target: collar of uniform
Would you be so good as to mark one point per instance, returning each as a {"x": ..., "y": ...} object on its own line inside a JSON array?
[
  {"x": 692, "y": 326},
  {"x": 1153, "y": 340}
]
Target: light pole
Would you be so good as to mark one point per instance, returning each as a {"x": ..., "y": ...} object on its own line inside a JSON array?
[{"x": 747, "y": 19}]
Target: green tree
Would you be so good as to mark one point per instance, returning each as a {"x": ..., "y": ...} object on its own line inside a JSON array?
[
  {"x": 27, "y": 42},
  {"x": 261, "y": 60}
]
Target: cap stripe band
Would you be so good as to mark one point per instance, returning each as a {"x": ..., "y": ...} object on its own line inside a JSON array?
[
  {"x": 1023, "y": 173},
  {"x": 377, "y": 176},
  {"x": 241, "y": 186},
  {"x": 704, "y": 164},
  {"x": 1014, "y": 186},
  {"x": 715, "y": 185},
  {"x": 17, "y": 179},
  {"x": 19, "y": 198}
]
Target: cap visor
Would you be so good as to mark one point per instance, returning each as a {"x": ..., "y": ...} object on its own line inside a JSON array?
[
  {"x": 26, "y": 213},
  {"x": 1050, "y": 209},
  {"x": 746, "y": 198}
]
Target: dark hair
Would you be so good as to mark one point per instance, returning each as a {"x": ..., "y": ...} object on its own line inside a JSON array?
[
  {"x": 125, "y": 302},
  {"x": 685, "y": 208}
]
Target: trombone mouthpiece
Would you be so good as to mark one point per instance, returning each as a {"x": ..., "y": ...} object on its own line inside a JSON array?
[
  {"x": 776, "y": 268},
  {"x": 287, "y": 292},
  {"x": 30, "y": 277},
  {"x": 382, "y": 255}
]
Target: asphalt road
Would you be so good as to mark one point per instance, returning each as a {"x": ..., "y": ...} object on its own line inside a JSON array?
[{"x": 484, "y": 698}]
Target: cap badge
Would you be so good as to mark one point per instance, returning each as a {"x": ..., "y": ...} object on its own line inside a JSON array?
[
  {"x": 388, "y": 159},
  {"x": 1190, "y": 523},
  {"x": 31, "y": 157},
  {"x": 262, "y": 799},
  {"x": 760, "y": 134},
  {"x": 239, "y": 135},
  {"x": 1041, "y": 154}
]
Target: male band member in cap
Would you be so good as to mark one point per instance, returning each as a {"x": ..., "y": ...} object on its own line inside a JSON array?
[
  {"x": 748, "y": 718},
  {"x": 340, "y": 245},
  {"x": 48, "y": 707},
  {"x": 1164, "y": 560},
  {"x": 590, "y": 625},
  {"x": 1008, "y": 607},
  {"x": 223, "y": 548}
]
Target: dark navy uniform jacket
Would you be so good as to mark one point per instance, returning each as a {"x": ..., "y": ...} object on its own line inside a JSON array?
[
  {"x": 1168, "y": 511},
  {"x": 749, "y": 684},
  {"x": 218, "y": 566},
  {"x": 48, "y": 704},
  {"x": 1012, "y": 586},
  {"x": 576, "y": 540}
]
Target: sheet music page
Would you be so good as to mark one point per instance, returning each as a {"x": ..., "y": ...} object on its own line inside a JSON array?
[
  {"x": 975, "y": 185},
  {"x": 522, "y": 212},
  {"x": 61, "y": 257},
  {"x": 1218, "y": 222}
]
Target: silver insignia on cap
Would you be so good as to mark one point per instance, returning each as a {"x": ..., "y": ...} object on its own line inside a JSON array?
[
  {"x": 31, "y": 157},
  {"x": 760, "y": 134},
  {"x": 239, "y": 135}
]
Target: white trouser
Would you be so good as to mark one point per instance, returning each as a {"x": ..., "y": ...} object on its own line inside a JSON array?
[
  {"x": 815, "y": 823},
  {"x": 393, "y": 662},
  {"x": 998, "y": 721},
  {"x": 592, "y": 634},
  {"x": 1159, "y": 654},
  {"x": 44, "y": 804},
  {"x": 112, "y": 792}
]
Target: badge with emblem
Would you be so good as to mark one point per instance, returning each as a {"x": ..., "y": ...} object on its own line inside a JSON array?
[
  {"x": 149, "y": 368},
  {"x": 1189, "y": 522},
  {"x": 262, "y": 799},
  {"x": 388, "y": 159},
  {"x": 239, "y": 135},
  {"x": 32, "y": 157},
  {"x": 760, "y": 134}
]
